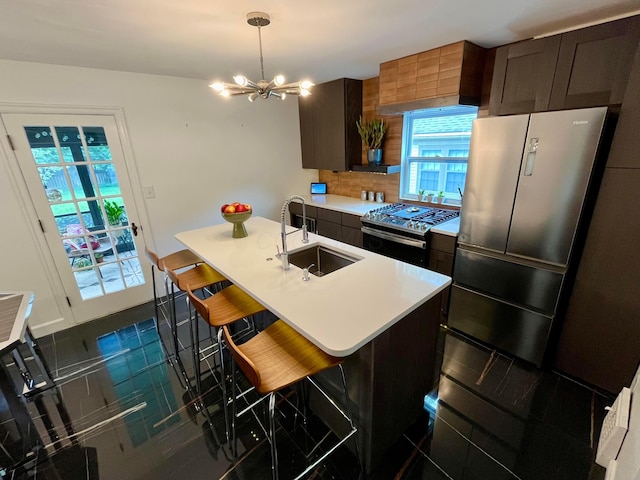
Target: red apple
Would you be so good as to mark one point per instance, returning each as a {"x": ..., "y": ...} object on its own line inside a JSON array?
[
  {"x": 223, "y": 207},
  {"x": 230, "y": 209},
  {"x": 247, "y": 207},
  {"x": 235, "y": 204},
  {"x": 240, "y": 208}
]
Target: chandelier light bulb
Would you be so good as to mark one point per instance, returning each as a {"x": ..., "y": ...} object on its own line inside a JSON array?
[
  {"x": 225, "y": 93},
  {"x": 241, "y": 80},
  {"x": 217, "y": 86},
  {"x": 278, "y": 80},
  {"x": 253, "y": 96},
  {"x": 283, "y": 96},
  {"x": 306, "y": 85},
  {"x": 304, "y": 92}
]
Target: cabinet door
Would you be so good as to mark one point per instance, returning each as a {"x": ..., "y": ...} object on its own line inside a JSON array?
[
  {"x": 306, "y": 108},
  {"x": 594, "y": 64},
  {"x": 329, "y": 126},
  {"x": 329, "y": 229},
  {"x": 523, "y": 76},
  {"x": 352, "y": 236},
  {"x": 626, "y": 141},
  {"x": 601, "y": 330},
  {"x": 328, "y": 134}
]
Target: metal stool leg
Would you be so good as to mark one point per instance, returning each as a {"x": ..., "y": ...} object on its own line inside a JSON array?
[
  {"x": 272, "y": 434},
  {"x": 224, "y": 386}
]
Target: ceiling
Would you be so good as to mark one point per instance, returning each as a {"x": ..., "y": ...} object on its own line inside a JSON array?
[{"x": 320, "y": 40}]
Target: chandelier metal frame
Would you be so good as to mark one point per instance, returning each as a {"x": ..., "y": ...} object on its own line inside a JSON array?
[{"x": 262, "y": 88}]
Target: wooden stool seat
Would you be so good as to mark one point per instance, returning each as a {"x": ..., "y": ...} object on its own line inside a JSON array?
[
  {"x": 227, "y": 306},
  {"x": 195, "y": 278},
  {"x": 180, "y": 259},
  {"x": 279, "y": 356}
]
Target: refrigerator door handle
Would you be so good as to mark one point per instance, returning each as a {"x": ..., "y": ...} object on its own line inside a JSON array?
[{"x": 531, "y": 157}]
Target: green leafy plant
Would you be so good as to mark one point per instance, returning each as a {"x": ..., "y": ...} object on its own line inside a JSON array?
[
  {"x": 441, "y": 195},
  {"x": 421, "y": 192},
  {"x": 115, "y": 212},
  {"x": 371, "y": 132}
]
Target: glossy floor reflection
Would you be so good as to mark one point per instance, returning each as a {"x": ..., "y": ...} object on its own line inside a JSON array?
[{"x": 131, "y": 418}]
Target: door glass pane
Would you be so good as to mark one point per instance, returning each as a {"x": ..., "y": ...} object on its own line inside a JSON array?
[
  {"x": 81, "y": 185},
  {"x": 81, "y": 180},
  {"x": 107, "y": 180}
]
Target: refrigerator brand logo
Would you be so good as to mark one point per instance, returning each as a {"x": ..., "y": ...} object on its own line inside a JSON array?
[{"x": 580, "y": 122}]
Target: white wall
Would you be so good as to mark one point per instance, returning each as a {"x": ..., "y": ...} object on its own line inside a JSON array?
[{"x": 198, "y": 150}]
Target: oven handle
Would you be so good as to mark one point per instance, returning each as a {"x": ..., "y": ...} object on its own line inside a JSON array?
[{"x": 392, "y": 237}]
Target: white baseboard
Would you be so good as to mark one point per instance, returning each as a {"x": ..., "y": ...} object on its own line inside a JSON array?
[{"x": 48, "y": 328}]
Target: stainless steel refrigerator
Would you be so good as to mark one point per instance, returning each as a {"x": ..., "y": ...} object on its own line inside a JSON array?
[{"x": 528, "y": 177}]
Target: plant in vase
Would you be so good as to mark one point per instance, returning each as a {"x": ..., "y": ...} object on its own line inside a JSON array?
[
  {"x": 372, "y": 133},
  {"x": 114, "y": 212},
  {"x": 440, "y": 197}
]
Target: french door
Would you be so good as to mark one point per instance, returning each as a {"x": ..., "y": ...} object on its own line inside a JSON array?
[{"x": 76, "y": 175}]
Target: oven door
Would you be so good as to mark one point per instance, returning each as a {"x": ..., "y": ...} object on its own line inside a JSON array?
[{"x": 400, "y": 247}]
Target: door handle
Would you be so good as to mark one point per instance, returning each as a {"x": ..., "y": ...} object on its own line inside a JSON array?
[
  {"x": 531, "y": 157},
  {"x": 134, "y": 229}
]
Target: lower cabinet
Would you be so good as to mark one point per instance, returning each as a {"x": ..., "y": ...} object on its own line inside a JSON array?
[
  {"x": 343, "y": 227},
  {"x": 441, "y": 254},
  {"x": 351, "y": 230}
]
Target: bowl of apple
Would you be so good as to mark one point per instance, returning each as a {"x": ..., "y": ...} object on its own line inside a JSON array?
[{"x": 237, "y": 213}]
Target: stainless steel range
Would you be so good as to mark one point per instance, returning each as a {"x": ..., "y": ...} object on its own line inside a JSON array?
[{"x": 401, "y": 230}]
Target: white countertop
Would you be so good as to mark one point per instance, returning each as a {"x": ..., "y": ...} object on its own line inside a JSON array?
[
  {"x": 15, "y": 309},
  {"x": 356, "y": 206},
  {"x": 448, "y": 228},
  {"x": 342, "y": 204},
  {"x": 339, "y": 312}
]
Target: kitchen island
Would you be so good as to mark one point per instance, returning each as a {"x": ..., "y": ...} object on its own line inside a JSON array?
[{"x": 380, "y": 313}]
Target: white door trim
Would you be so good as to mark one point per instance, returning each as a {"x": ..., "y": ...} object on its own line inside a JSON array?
[{"x": 28, "y": 210}]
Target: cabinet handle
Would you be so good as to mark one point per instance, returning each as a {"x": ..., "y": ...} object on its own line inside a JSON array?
[{"x": 531, "y": 157}]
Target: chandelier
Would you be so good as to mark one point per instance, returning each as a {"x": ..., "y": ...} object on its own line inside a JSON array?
[{"x": 261, "y": 88}]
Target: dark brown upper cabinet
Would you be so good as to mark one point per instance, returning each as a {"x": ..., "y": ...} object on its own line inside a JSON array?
[
  {"x": 594, "y": 64},
  {"x": 523, "y": 76},
  {"x": 328, "y": 134},
  {"x": 579, "y": 69}
]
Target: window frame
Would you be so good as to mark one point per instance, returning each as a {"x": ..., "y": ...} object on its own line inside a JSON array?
[{"x": 407, "y": 160}]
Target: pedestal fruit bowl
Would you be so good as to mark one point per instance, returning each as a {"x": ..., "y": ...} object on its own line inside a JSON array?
[{"x": 237, "y": 213}]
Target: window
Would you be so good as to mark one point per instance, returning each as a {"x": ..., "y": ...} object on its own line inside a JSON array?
[{"x": 435, "y": 151}]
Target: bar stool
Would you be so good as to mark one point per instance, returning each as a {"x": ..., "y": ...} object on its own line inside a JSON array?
[
  {"x": 276, "y": 358},
  {"x": 228, "y": 306},
  {"x": 174, "y": 261},
  {"x": 196, "y": 278}
]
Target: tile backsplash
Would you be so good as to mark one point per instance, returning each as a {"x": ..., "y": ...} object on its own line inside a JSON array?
[{"x": 350, "y": 184}]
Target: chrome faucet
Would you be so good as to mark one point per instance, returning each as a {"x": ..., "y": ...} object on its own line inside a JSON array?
[{"x": 284, "y": 255}]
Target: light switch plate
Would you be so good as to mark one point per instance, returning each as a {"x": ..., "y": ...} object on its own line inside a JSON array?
[{"x": 148, "y": 191}]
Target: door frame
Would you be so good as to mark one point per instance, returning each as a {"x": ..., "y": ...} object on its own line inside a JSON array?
[{"x": 29, "y": 212}]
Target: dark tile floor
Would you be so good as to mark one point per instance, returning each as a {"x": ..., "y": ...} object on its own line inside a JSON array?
[{"x": 489, "y": 418}]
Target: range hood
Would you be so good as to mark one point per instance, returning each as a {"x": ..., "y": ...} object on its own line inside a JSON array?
[
  {"x": 444, "y": 76},
  {"x": 383, "y": 169}
]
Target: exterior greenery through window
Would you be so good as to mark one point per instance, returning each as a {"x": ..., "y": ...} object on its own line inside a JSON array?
[{"x": 435, "y": 151}]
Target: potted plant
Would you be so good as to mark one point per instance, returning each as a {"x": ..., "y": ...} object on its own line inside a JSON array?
[
  {"x": 372, "y": 134},
  {"x": 114, "y": 212},
  {"x": 99, "y": 257},
  {"x": 440, "y": 197},
  {"x": 424, "y": 196}
]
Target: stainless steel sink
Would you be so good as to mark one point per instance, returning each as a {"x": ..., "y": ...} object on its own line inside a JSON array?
[{"x": 325, "y": 260}]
